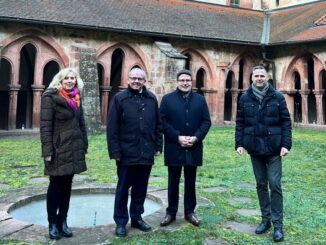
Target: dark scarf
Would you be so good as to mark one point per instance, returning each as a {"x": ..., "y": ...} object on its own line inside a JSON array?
[{"x": 260, "y": 92}]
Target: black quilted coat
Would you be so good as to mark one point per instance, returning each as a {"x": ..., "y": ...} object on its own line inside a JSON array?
[
  {"x": 63, "y": 135},
  {"x": 263, "y": 129}
]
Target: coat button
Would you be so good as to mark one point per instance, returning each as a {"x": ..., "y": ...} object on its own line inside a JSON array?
[
  {"x": 187, "y": 124},
  {"x": 140, "y": 118}
]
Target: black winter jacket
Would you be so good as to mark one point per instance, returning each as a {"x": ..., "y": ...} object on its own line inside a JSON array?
[
  {"x": 134, "y": 130},
  {"x": 263, "y": 129},
  {"x": 63, "y": 135},
  {"x": 186, "y": 118}
]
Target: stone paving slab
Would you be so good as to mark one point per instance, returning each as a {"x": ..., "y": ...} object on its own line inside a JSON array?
[
  {"x": 10, "y": 226},
  {"x": 215, "y": 242},
  {"x": 4, "y": 216},
  {"x": 239, "y": 200},
  {"x": 4, "y": 186},
  {"x": 246, "y": 185},
  {"x": 241, "y": 227},
  {"x": 216, "y": 189},
  {"x": 248, "y": 212}
]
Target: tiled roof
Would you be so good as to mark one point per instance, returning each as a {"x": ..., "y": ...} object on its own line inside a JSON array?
[
  {"x": 177, "y": 18},
  {"x": 153, "y": 17},
  {"x": 298, "y": 24}
]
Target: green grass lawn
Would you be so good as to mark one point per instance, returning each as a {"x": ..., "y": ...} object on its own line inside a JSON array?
[{"x": 304, "y": 186}]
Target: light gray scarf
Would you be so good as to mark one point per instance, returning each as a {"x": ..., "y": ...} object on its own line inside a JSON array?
[{"x": 260, "y": 92}]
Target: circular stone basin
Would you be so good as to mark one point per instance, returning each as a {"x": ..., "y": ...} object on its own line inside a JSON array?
[{"x": 86, "y": 209}]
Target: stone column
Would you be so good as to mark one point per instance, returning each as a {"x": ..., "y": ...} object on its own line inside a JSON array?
[
  {"x": 105, "y": 91},
  {"x": 319, "y": 104},
  {"x": 13, "y": 96},
  {"x": 37, "y": 94},
  {"x": 235, "y": 94},
  {"x": 85, "y": 58},
  {"x": 211, "y": 99},
  {"x": 304, "y": 99}
]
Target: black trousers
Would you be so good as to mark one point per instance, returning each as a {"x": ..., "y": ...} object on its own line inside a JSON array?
[
  {"x": 268, "y": 173},
  {"x": 136, "y": 177},
  {"x": 189, "y": 189},
  {"x": 58, "y": 198}
]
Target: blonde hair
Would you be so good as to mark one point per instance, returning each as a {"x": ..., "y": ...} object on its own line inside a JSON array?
[{"x": 56, "y": 81}]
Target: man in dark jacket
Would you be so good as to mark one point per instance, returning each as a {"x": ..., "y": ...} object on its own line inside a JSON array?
[
  {"x": 263, "y": 128},
  {"x": 134, "y": 137},
  {"x": 186, "y": 121}
]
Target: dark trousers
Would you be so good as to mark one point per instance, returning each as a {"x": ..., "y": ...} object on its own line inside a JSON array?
[
  {"x": 58, "y": 198},
  {"x": 268, "y": 173},
  {"x": 189, "y": 189},
  {"x": 136, "y": 177}
]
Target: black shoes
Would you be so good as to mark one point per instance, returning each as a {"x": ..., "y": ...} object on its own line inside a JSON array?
[
  {"x": 141, "y": 225},
  {"x": 192, "y": 219},
  {"x": 54, "y": 232},
  {"x": 64, "y": 230},
  {"x": 263, "y": 227},
  {"x": 168, "y": 219},
  {"x": 120, "y": 231},
  {"x": 278, "y": 234}
]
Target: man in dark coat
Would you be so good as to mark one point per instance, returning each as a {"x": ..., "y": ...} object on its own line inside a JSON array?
[
  {"x": 134, "y": 137},
  {"x": 186, "y": 121},
  {"x": 263, "y": 128}
]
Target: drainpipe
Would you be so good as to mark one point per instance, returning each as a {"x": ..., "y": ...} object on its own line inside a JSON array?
[
  {"x": 263, "y": 54},
  {"x": 265, "y": 40}
]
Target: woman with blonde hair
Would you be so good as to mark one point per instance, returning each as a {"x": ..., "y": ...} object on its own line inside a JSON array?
[{"x": 64, "y": 145}]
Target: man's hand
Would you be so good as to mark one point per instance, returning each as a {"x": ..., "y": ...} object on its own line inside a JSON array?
[
  {"x": 157, "y": 153},
  {"x": 187, "y": 141},
  {"x": 48, "y": 158},
  {"x": 284, "y": 152},
  {"x": 240, "y": 150}
]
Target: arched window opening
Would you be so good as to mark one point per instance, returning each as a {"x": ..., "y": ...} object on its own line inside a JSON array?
[
  {"x": 228, "y": 97},
  {"x": 200, "y": 77},
  {"x": 323, "y": 77},
  {"x": 188, "y": 61},
  {"x": 26, "y": 79},
  {"x": 312, "y": 107},
  {"x": 297, "y": 99},
  {"x": 311, "y": 80},
  {"x": 5, "y": 71},
  {"x": 100, "y": 71},
  {"x": 50, "y": 70},
  {"x": 116, "y": 72},
  {"x": 241, "y": 65}
]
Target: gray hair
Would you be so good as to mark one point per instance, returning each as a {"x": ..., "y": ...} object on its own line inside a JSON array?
[
  {"x": 136, "y": 69},
  {"x": 56, "y": 81}
]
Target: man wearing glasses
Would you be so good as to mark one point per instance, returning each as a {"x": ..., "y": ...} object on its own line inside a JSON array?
[
  {"x": 186, "y": 121},
  {"x": 263, "y": 128},
  {"x": 134, "y": 137}
]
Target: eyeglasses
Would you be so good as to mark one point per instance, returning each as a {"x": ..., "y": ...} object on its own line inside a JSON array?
[
  {"x": 185, "y": 81},
  {"x": 71, "y": 78},
  {"x": 134, "y": 79}
]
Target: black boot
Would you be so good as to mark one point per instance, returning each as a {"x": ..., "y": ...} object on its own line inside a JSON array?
[
  {"x": 53, "y": 231},
  {"x": 64, "y": 230}
]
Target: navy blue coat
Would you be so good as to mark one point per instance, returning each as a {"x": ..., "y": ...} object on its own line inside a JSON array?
[
  {"x": 263, "y": 129},
  {"x": 185, "y": 118},
  {"x": 134, "y": 129}
]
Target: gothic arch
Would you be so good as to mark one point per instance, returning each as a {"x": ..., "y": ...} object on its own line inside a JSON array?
[
  {"x": 46, "y": 49},
  {"x": 133, "y": 56},
  {"x": 298, "y": 63},
  {"x": 199, "y": 60},
  {"x": 249, "y": 63}
]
